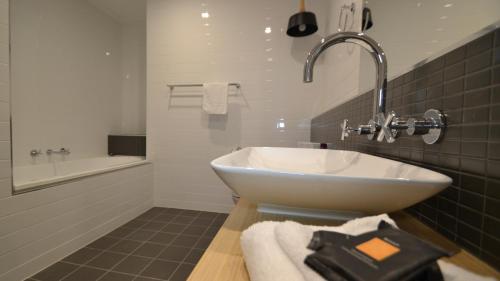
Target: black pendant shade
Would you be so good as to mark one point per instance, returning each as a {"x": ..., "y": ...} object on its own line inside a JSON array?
[
  {"x": 302, "y": 24},
  {"x": 367, "y": 20}
]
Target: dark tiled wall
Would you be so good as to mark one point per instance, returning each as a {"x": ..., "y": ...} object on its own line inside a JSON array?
[
  {"x": 127, "y": 145},
  {"x": 465, "y": 84}
]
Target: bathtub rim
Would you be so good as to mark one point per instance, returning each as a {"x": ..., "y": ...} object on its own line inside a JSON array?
[{"x": 43, "y": 184}]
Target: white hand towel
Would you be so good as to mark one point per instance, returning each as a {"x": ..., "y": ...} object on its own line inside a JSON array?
[
  {"x": 293, "y": 238},
  {"x": 277, "y": 250},
  {"x": 215, "y": 98}
]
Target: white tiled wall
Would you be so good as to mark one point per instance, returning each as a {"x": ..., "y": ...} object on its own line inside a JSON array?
[
  {"x": 5, "y": 167},
  {"x": 78, "y": 74},
  {"x": 41, "y": 227},
  {"x": 38, "y": 228},
  {"x": 231, "y": 45}
]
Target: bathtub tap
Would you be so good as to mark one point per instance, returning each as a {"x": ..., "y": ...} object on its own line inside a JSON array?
[
  {"x": 35, "y": 152},
  {"x": 62, "y": 151}
]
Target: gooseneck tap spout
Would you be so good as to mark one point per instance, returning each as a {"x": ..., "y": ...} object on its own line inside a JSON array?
[{"x": 367, "y": 43}]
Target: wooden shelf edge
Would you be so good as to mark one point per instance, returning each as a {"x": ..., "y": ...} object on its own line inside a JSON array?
[{"x": 223, "y": 260}]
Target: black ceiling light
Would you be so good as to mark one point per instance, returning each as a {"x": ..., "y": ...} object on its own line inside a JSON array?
[{"x": 302, "y": 23}]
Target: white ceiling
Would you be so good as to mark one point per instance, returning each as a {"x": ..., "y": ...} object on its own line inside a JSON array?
[{"x": 124, "y": 11}]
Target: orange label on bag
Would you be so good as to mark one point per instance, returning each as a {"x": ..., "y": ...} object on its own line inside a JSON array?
[{"x": 377, "y": 248}]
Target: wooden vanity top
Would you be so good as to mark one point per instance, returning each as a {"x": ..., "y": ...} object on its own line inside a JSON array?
[{"x": 223, "y": 260}]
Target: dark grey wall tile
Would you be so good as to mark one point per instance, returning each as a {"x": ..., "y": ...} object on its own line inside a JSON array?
[
  {"x": 479, "y": 62},
  {"x": 492, "y": 226},
  {"x": 453, "y": 102},
  {"x": 479, "y": 45},
  {"x": 463, "y": 83},
  {"x": 495, "y": 96},
  {"x": 476, "y": 115},
  {"x": 477, "y": 98},
  {"x": 470, "y": 217},
  {"x": 473, "y": 165},
  {"x": 453, "y": 87},
  {"x": 455, "y": 56},
  {"x": 492, "y": 207},
  {"x": 472, "y": 200},
  {"x": 478, "y": 80},
  {"x": 469, "y": 233},
  {"x": 454, "y": 71},
  {"x": 496, "y": 75},
  {"x": 494, "y": 150},
  {"x": 497, "y": 55}
]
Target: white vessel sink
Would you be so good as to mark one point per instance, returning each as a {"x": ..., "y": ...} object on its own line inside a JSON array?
[{"x": 325, "y": 183}]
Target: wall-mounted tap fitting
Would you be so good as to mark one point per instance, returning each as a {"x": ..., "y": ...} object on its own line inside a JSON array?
[
  {"x": 35, "y": 152},
  {"x": 62, "y": 151},
  {"x": 381, "y": 126}
]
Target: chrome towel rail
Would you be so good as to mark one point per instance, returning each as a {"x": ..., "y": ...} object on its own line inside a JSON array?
[{"x": 172, "y": 86}]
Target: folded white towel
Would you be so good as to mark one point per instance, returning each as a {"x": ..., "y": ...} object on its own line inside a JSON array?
[
  {"x": 276, "y": 250},
  {"x": 293, "y": 238},
  {"x": 215, "y": 98}
]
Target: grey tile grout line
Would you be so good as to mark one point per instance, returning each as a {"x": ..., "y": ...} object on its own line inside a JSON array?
[
  {"x": 103, "y": 250},
  {"x": 152, "y": 259},
  {"x": 192, "y": 248},
  {"x": 140, "y": 245},
  {"x": 169, "y": 244}
]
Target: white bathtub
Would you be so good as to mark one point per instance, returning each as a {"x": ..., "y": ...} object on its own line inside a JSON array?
[{"x": 33, "y": 176}]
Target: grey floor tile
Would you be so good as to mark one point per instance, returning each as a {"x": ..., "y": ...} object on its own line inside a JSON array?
[
  {"x": 190, "y": 213},
  {"x": 155, "y": 226},
  {"x": 172, "y": 211},
  {"x": 174, "y": 228},
  {"x": 207, "y": 215},
  {"x": 183, "y": 220},
  {"x": 55, "y": 271},
  {"x": 163, "y": 238},
  {"x": 149, "y": 250},
  {"x": 203, "y": 221},
  {"x": 132, "y": 265},
  {"x": 142, "y": 278},
  {"x": 182, "y": 273},
  {"x": 116, "y": 276},
  {"x": 203, "y": 243},
  {"x": 160, "y": 269},
  {"x": 175, "y": 253},
  {"x": 186, "y": 241},
  {"x": 106, "y": 260},
  {"x": 85, "y": 274},
  {"x": 103, "y": 243},
  {"x": 120, "y": 232},
  {"x": 194, "y": 230},
  {"x": 141, "y": 235},
  {"x": 125, "y": 246},
  {"x": 83, "y": 255},
  {"x": 179, "y": 230},
  {"x": 164, "y": 218},
  {"x": 194, "y": 256},
  {"x": 211, "y": 231},
  {"x": 136, "y": 223}
]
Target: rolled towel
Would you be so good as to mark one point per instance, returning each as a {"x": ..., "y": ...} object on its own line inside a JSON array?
[
  {"x": 275, "y": 251},
  {"x": 264, "y": 258},
  {"x": 215, "y": 98}
]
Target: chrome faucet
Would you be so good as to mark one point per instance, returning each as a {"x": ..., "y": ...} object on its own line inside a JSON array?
[
  {"x": 62, "y": 151},
  {"x": 35, "y": 152},
  {"x": 385, "y": 127}
]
